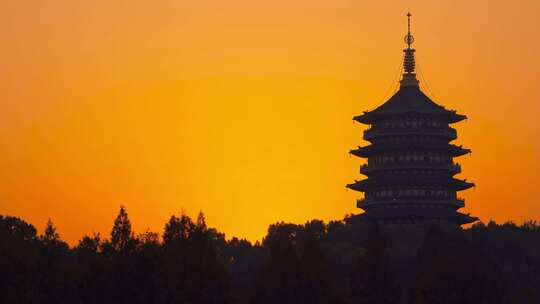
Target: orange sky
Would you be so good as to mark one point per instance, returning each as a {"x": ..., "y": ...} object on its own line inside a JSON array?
[{"x": 243, "y": 109}]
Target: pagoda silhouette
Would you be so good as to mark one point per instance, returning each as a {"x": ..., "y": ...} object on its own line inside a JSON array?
[{"x": 410, "y": 168}]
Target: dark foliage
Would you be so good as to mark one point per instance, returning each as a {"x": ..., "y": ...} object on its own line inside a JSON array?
[
  {"x": 372, "y": 278},
  {"x": 316, "y": 262}
]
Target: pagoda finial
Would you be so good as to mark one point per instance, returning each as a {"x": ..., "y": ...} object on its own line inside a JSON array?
[
  {"x": 409, "y": 39},
  {"x": 409, "y": 75}
]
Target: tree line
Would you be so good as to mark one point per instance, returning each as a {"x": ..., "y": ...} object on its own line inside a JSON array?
[{"x": 317, "y": 262}]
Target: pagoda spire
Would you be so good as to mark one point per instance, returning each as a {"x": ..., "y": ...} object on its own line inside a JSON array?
[{"x": 409, "y": 74}]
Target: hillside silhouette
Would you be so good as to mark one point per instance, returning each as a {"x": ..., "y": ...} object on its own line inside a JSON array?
[{"x": 317, "y": 262}]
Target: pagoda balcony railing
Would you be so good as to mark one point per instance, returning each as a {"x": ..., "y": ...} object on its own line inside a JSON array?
[
  {"x": 377, "y": 131},
  {"x": 368, "y": 168},
  {"x": 456, "y": 201},
  {"x": 414, "y": 198}
]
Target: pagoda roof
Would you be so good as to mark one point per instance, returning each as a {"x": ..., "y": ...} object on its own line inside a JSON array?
[
  {"x": 409, "y": 100},
  {"x": 410, "y": 180},
  {"x": 377, "y": 148}
]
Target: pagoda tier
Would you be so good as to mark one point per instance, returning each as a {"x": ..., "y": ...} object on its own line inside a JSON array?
[
  {"x": 433, "y": 202},
  {"x": 410, "y": 178},
  {"x": 395, "y": 132},
  {"x": 410, "y": 162},
  {"x": 419, "y": 148},
  {"x": 449, "y": 168},
  {"x": 415, "y": 213}
]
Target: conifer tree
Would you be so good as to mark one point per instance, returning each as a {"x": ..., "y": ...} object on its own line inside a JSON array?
[
  {"x": 122, "y": 239},
  {"x": 50, "y": 236}
]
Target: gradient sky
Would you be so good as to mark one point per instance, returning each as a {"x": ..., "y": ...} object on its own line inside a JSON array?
[{"x": 243, "y": 109}]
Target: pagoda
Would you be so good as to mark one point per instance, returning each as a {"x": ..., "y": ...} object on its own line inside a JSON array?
[{"x": 410, "y": 168}]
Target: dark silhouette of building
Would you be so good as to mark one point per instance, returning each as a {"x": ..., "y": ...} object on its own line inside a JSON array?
[{"x": 410, "y": 168}]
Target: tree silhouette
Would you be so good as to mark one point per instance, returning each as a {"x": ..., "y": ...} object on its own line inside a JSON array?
[
  {"x": 16, "y": 228},
  {"x": 340, "y": 262},
  {"x": 372, "y": 277},
  {"x": 122, "y": 240},
  {"x": 54, "y": 268},
  {"x": 91, "y": 244},
  {"x": 177, "y": 229},
  {"x": 456, "y": 271},
  {"x": 19, "y": 253},
  {"x": 122, "y": 250},
  {"x": 191, "y": 271},
  {"x": 317, "y": 285},
  {"x": 50, "y": 236},
  {"x": 93, "y": 275},
  {"x": 296, "y": 270},
  {"x": 279, "y": 281}
]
